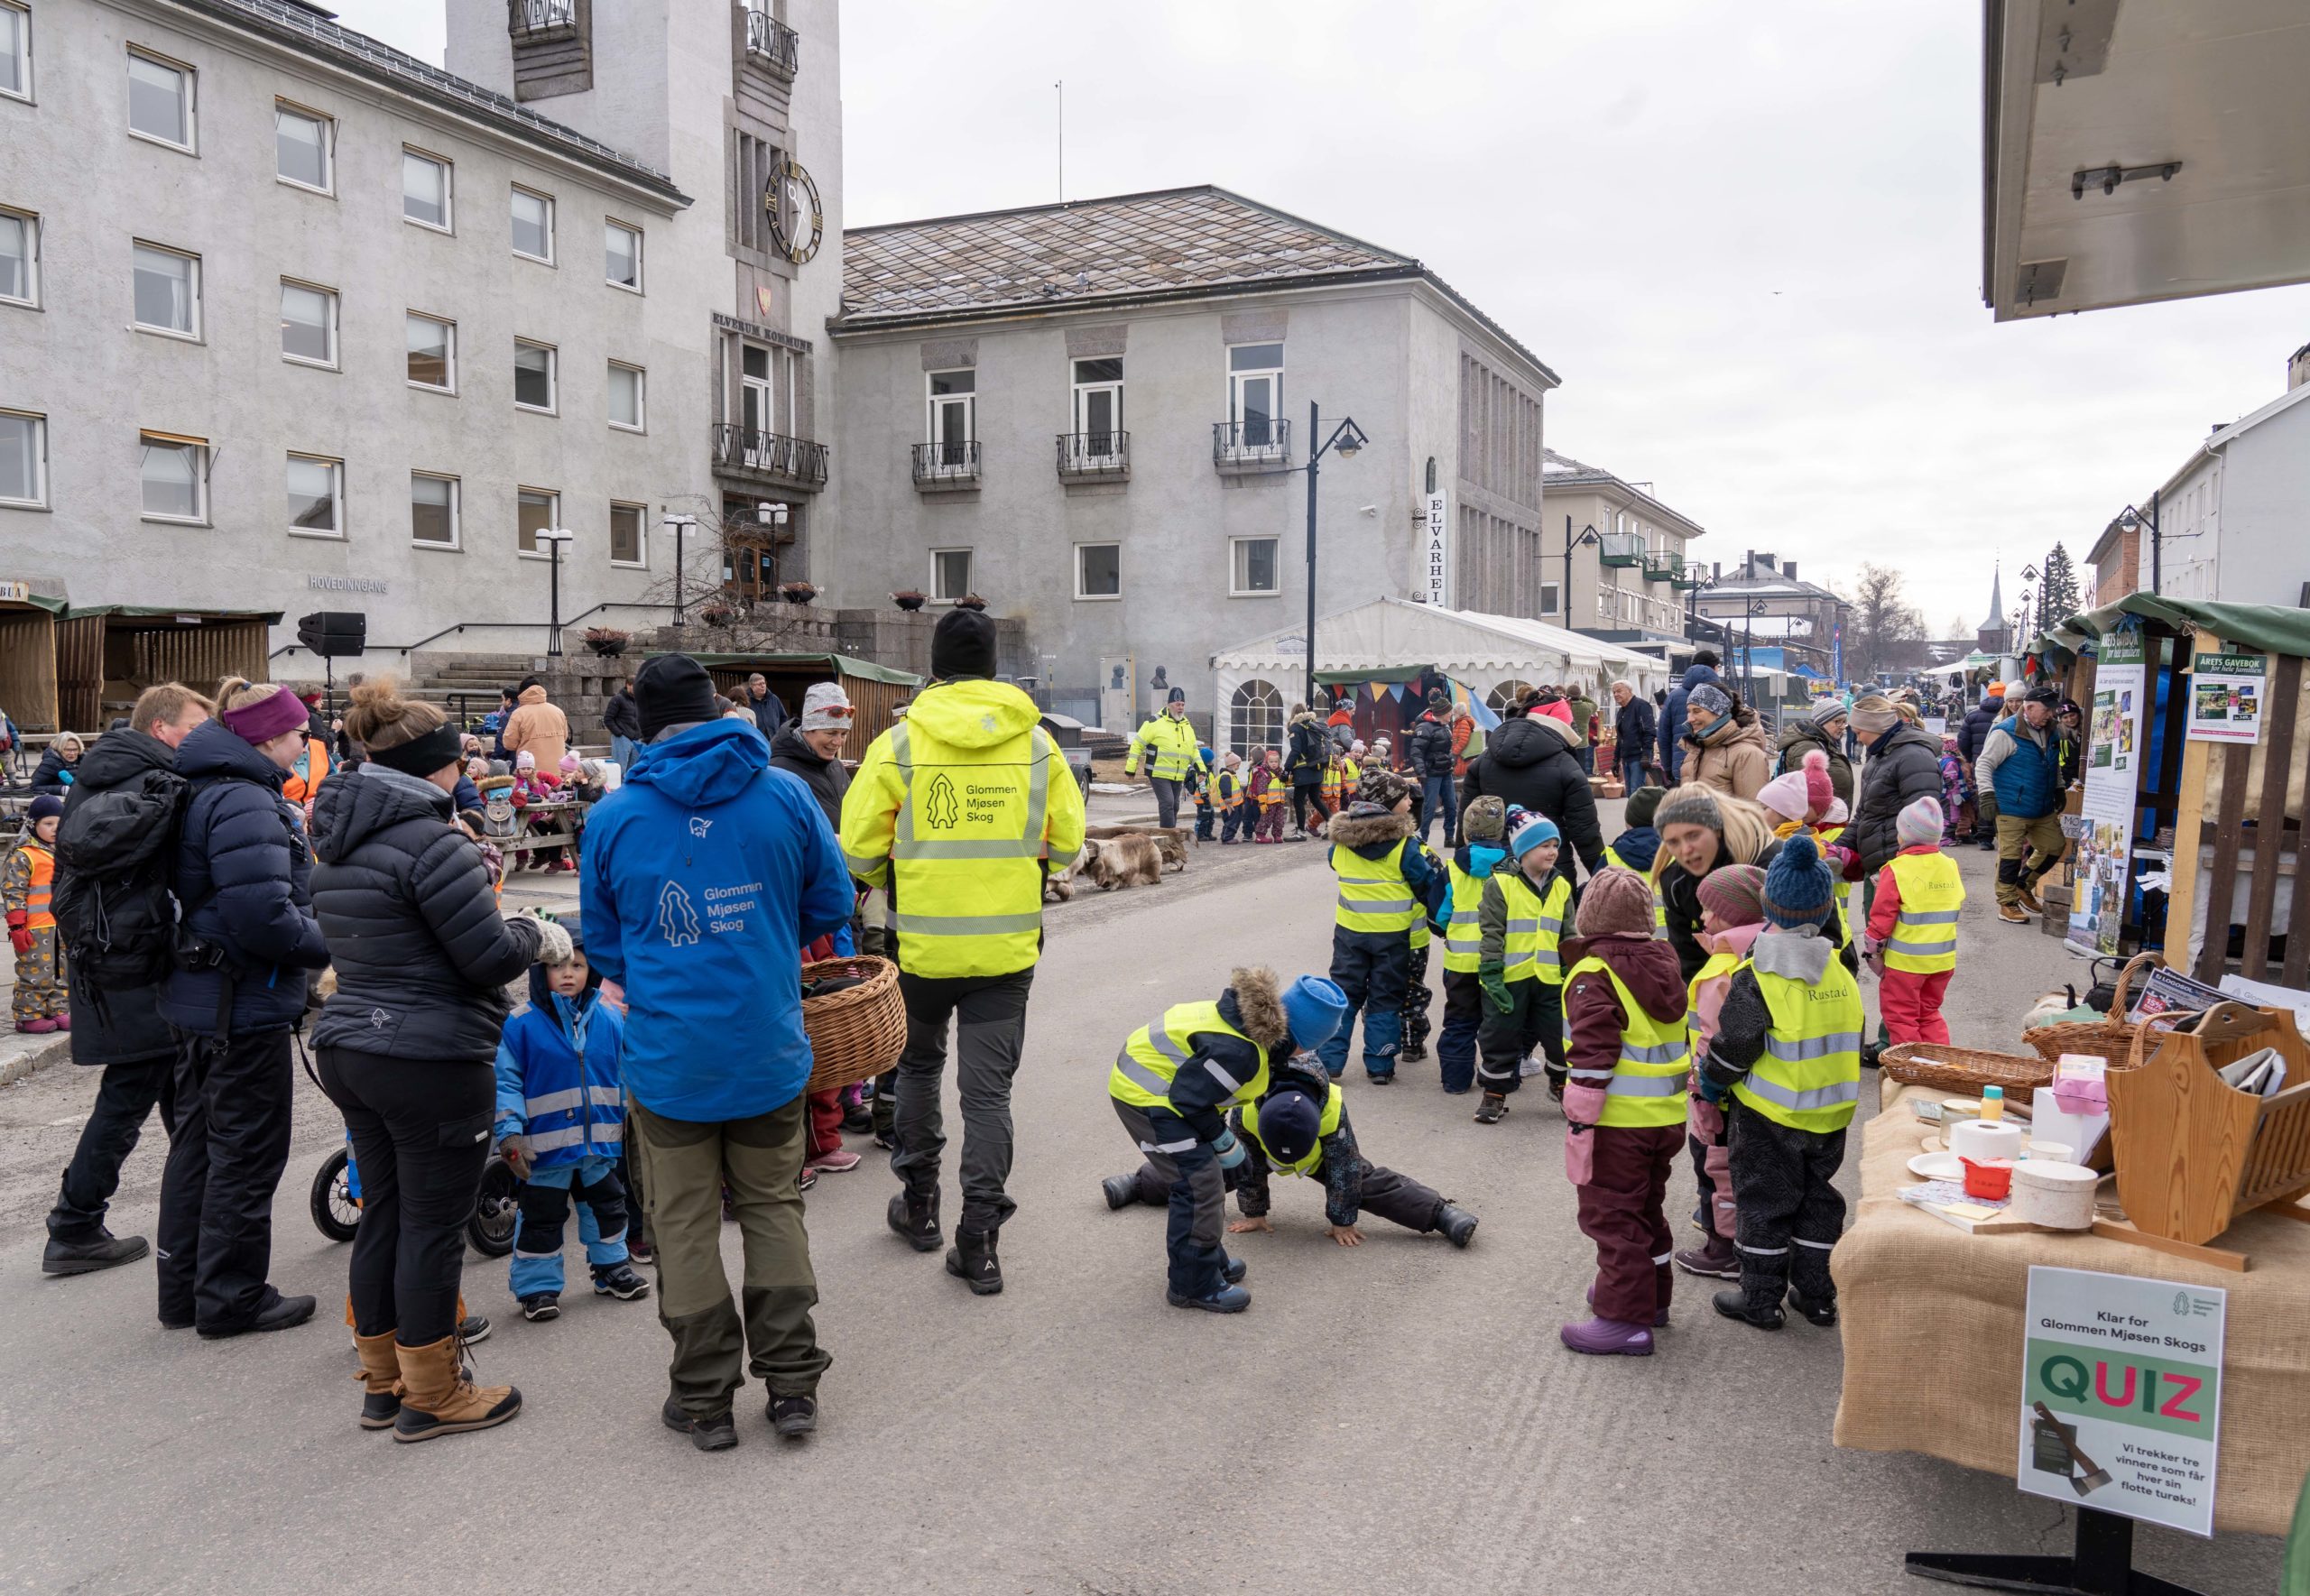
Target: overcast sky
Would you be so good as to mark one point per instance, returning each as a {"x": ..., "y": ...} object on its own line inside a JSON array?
[{"x": 1748, "y": 238}]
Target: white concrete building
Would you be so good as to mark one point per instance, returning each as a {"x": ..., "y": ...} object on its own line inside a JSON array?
[{"x": 2232, "y": 523}]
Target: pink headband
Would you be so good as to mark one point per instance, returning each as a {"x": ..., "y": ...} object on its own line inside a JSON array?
[{"x": 263, "y": 720}]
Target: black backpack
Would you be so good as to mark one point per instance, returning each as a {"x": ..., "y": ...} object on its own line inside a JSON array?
[{"x": 115, "y": 853}]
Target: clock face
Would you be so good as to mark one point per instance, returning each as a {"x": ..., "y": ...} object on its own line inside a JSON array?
[{"x": 797, "y": 222}]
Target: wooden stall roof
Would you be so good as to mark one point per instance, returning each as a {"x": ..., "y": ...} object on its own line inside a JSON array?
[
  {"x": 875, "y": 691},
  {"x": 108, "y": 652}
]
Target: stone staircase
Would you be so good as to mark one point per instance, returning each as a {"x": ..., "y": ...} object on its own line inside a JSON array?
[{"x": 465, "y": 686}]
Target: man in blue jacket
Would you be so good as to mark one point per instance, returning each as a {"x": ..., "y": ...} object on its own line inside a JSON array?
[
  {"x": 1671, "y": 727},
  {"x": 705, "y": 875}
]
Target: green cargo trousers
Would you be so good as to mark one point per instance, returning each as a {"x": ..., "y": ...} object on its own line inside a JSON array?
[{"x": 685, "y": 1164}]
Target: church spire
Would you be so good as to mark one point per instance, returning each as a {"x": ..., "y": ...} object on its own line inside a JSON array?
[{"x": 1996, "y": 621}]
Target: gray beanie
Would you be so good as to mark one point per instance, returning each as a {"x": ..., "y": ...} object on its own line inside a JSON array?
[
  {"x": 1710, "y": 697},
  {"x": 1689, "y": 806}
]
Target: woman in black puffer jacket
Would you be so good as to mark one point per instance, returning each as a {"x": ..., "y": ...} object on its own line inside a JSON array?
[
  {"x": 244, "y": 944},
  {"x": 406, "y": 1047}
]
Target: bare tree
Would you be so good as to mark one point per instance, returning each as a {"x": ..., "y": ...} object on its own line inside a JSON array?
[{"x": 1881, "y": 621}]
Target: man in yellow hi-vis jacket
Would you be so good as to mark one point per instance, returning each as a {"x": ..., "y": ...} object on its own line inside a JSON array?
[{"x": 957, "y": 811}]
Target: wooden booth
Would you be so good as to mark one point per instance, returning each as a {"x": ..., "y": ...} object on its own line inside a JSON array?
[
  {"x": 28, "y": 657},
  {"x": 106, "y": 654},
  {"x": 875, "y": 691}
]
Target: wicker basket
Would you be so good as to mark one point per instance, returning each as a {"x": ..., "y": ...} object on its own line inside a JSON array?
[
  {"x": 1964, "y": 1069},
  {"x": 855, "y": 1034},
  {"x": 2113, "y": 1038}
]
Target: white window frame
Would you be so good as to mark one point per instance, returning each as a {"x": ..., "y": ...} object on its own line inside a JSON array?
[
  {"x": 1083, "y": 454},
  {"x": 1234, "y": 591},
  {"x": 284, "y": 107},
  {"x": 636, "y": 286},
  {"x": 640, "y": 422},
  {"x": 39, "y": 460},
  {"x": 552, "y": 498},
  {"x": 1273, "y": 447},
  {"x": 29, "y": 299},
  {"x": 544, "y": 199},
  {"x": 449, "y": 222},
  {"x": 451, "y": 351},
  {"x": 970, "y": 573},
  {"x": 642, "y": 539},
  {"x": 330, "y": 299},
  {"x": 1551, "y": 597},
  {"x": 25, "y": 13},
  {"x": 1098, "y": 598},
  {"x": 759, "y": 394},
  {"x": 337, "y": 495},
  {"x": 202, "y": 454},
  {"x": 553, "y": 406},
  {"x": 193, "y": 294},
  {"x": 456, "y": 517},
  {"x": 935, "y": 402},
  {"x": 1260, "y": 705},
  {"x": 190, "y": 145}
]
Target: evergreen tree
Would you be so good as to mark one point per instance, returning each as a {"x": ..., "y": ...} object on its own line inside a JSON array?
[{"x": 2057, "y": 590}]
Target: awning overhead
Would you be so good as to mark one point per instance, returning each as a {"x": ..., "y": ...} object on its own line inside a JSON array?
[{"x": 1388, "y": 635}]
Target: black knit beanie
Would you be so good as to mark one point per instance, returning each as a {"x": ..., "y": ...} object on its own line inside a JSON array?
[
  {"x": 671, "y": 690},
  {"x": 962, "y": 644}
]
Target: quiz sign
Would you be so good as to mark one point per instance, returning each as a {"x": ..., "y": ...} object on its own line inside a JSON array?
[{"x": 2122, "y": 1395}]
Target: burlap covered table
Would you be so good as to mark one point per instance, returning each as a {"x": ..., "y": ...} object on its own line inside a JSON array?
[{"x": 1932, "y": 1319}]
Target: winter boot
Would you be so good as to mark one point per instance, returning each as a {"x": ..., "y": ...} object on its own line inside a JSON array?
[
  {"x": 1716, "y": 1262},
  {"x": 793, "y": 1416},
  {"x": 1233, "y": 1269},
  {"x": 439, "y": 1398},
  {"x": 715, "y": 1433},
  {"x": 1735, "y": 1304},
  {"x": 472, "y": 1329},
  {"x": 1413, "y": 1053},
  {"x": 1122, "y": 1190},
  {"x": 1605, "y": 1338},
  {"x": 540, "y": 1306},
  {"x": 620, "y": 1281},
  {"x": 281, "y": 1313},
  {"x": 917, "y": 1219},
  {"x": 1660, "y": 1315},
  {"x": 972, "y": 1260},
  {"x": 1821, "y": 1311},
  {"x": 1458, "y": 1225},
  {"x": 1227, "y": 1299},
  {"x": 380, "y": 1378},
  {"x": 1493, "y": 1108},
  {"x": 86, "y": 1258}
]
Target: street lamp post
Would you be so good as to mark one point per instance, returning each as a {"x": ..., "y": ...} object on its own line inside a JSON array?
[
  {"x": 554, "y": 538},
  {"x": 1347, "y": 437},
  {"x": 2133, "y": 520},
  {"x": 1587, "y": 535},
  {"x": 680, "y": 524}
]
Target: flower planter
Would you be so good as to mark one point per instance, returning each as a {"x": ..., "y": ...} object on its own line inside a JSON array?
[
  {"x": 910, "y": 601},
  {"x": 798, "y": 593}
]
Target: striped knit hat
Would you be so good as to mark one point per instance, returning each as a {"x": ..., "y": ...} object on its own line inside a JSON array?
[
  {"x": 1734, "y": 894},
  {"x": 1919, "y": 823}
]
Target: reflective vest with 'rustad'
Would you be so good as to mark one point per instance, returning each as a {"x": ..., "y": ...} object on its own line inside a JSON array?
[
  {"x": 1925, "y": 935},
  {"x": 1143, "y": 1069},
  {"x": 1373, "y": 895},
  {"x": 1645, "y": 1087},
  {"x": 1808, "y": 1077}
]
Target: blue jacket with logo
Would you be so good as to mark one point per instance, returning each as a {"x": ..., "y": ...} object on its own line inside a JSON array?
[
  {"x": 558, "y": 1080},
  {"x": 703, "y": 876}
]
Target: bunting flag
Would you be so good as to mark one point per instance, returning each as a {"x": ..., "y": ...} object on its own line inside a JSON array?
[
  {"x": 1380, "y": 690},
  {"x": 1479, "y": 715}
]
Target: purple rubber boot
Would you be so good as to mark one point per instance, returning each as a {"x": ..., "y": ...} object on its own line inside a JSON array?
[
  {"x": 1606, "y": 1337},
  {"x": 1659, "y": 1319}
]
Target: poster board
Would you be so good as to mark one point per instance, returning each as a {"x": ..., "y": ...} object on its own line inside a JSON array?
[
  {"x": 2228, "y": 693},
  {"x": 2122, "y": 1395},
  {"x": 2115, "y": 752}
]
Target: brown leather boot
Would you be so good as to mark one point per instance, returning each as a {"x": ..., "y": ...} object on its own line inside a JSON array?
[
  {"x": 438, "y": 1397},
  {"x": 380, "y": 1378}
]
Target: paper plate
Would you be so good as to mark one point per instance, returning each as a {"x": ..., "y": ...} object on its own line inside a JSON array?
[{"x": 1937, "y": 1167}]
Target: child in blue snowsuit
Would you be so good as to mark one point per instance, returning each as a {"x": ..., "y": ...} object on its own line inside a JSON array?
[{"x": 561, "y": 1124}]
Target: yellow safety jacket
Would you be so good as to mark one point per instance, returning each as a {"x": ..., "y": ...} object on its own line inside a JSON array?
[
  {"x": 1329, "y": 1126},
  {"x": 1142, "y": 1071},
  {"x": 1534, "y": 927},
  {"x": 1659, "y": 909},
  {"x": 1809, "y": 1075},
  {"x": 1645, "y": 1088},
  {"x": 1373, "y": 895},
  {"x": 1463, "y": 935},
  {"x": 1168, "y": 744},
  {"x": 1925, "y": 932},
  {"x": 1227, "y": 789},
  {"x": 955, "y": 810},
  {"x": 1714, "y": 966}
]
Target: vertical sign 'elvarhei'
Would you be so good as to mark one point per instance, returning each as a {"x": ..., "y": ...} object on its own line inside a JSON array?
[{"x": 1434, "y": 581}]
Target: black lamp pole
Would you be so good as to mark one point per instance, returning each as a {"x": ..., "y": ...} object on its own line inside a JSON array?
[{"x": 1347, "y": 437}]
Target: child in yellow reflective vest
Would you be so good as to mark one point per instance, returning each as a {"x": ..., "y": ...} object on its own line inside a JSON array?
[
  {"x": 1386, "y": 880},
  {"x": 1228, "y": 796},
  {"x": 1199, "y": 780},
  {"x": 1786, "y": 1057},
  {"x": 1912, "y": 934},
  {"x": 27, "y": 880},
  {"x": 1482, "y": 834},
  {"x": 1629, "y": 1053},
  {"x": 1521, "y": 922},
  {"x": 1269, "y": 792},
  {"x": 1732, "y": 915}
]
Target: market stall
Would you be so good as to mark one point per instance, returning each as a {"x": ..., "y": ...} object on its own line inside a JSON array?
[
  {"x": 875, "y": 691},
  {"x": 28, "y": 657},
  {"x": 106, "y": 654}
]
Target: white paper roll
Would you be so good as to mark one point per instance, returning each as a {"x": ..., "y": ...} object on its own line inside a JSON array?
[{"x": 1980, "y": 1139}]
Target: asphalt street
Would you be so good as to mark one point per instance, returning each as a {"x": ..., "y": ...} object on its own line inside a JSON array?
[{"x": 1396, "y": 1418}]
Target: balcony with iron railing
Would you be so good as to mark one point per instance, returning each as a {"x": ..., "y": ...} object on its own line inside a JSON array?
[
  {"x": 1620, "y": 549},
  {"x": 1688, "y": 578},
  {"x": 772, "y": 43},
  {"x": 1662, "y": 568},
  {"x": 950, "y": 464},
  {"x": 1262, "y": 443},
  {"x": 537, "y": 21},
  {"x": 771, "y": 455},
  {"x": 1094, "y": 454}
]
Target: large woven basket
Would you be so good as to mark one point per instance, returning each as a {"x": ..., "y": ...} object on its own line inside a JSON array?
[
  {"x": 1964, "y": 1069},
  {"x": 2113, "y": 1038},
  {"x": 855, "y": 1034}
]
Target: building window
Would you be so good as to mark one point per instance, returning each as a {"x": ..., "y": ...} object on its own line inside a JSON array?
[
  {"x": 23, "y": 459},
  {"x": 951, "y": 574},
  {"x": 539, "y": 509},
  {"x": 622, "y": 255},
  {"x": 175, "y": 472},
  {"x": 1098, "y": 571},
  {"x": 307, "y": 324},
  {"x": 316, "y": 497},
  {"x": 533, "y": 376},
  {"x": 1605, "y": 599},
  {"x": 626, "y": 396},
  {"x": 533, "y": 225},
  {"x": 1098, "y": 408},
  {"x": 160, "y": 100},
  {"x": 433, "y": 510},
  {"x": 168, "y": 290},
  {"x": 425, "y": 185},
  {"x": 1551, "y": 595},
  {"x": 1254, "y": 561},
  {"x": 19, "y": 257},
  {"x": 301, "y": 148},
  {"x": 1505, "y": 696},
  {"x": 15, "y": 50},
  {"x": 432, "y": 353},
  {"x": 628, "y": 526},
  {"x": 1255, "y": 392},
  {"x": 954, "y": 414},
  {"x": 1255, "y": 718}
]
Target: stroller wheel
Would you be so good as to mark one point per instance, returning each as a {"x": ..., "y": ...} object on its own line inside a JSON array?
[
  {"x": 336, "y": 1211},
  {"x": 495, "y": 1210}
]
